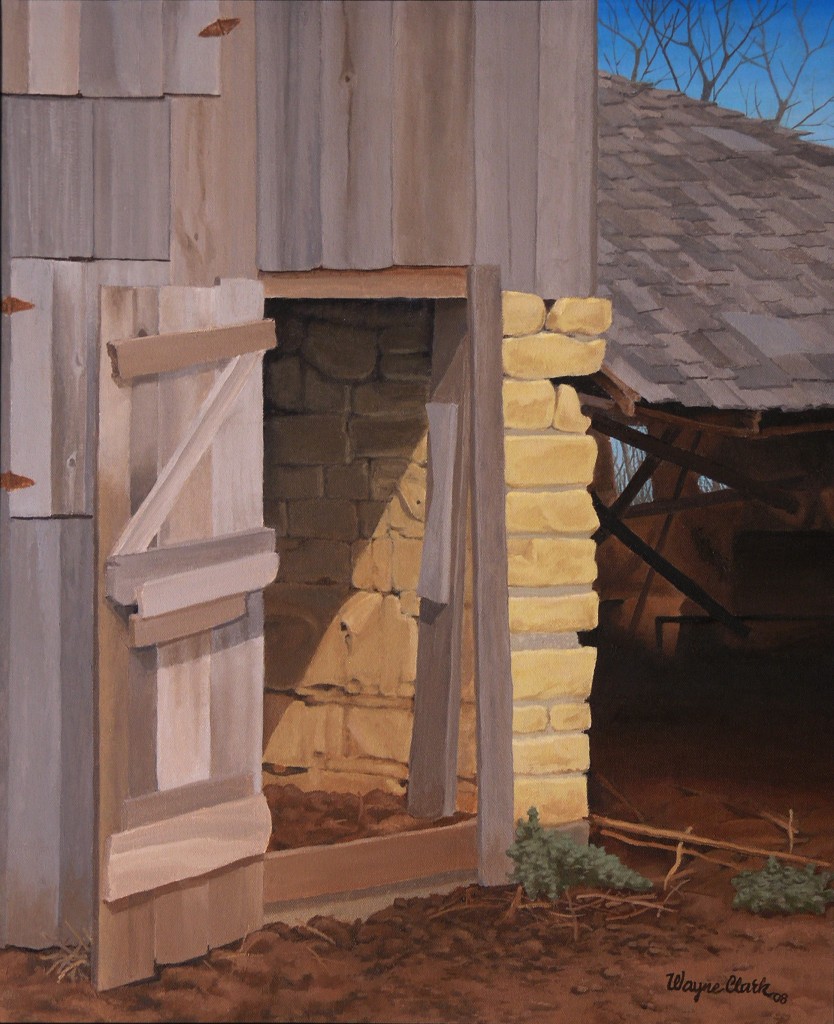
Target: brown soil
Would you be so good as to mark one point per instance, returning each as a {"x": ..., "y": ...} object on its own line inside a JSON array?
[
  {"x": 480, "y": 956},
  {"x": 318, "y": 818}
]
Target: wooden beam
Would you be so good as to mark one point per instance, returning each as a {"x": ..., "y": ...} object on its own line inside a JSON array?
[
  {"x": 432, "y": 779},
  {"x": 170, "y": 803},
  {"x": 167, "y": 353},
  {"x": 147, "y": 631},
  {"x": 151, "y": 514},
  {"x": 493, "y": 680},
  {"x": 391, "y": 283},
  {"x": 767, "y": 493},
  {"x": 660, "y": 508},
  {"x": 435, "y": 580},
  {"x": 368, "y": 863},
  {"x": 642, "y": 475},
  {"x": 187, "y": 846},
  {"x": 199, "y": 586},
  {"x": 685, "y": 584}
]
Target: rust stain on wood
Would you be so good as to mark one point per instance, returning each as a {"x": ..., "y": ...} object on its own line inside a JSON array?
[
  {"x": 221, "y": 27},
  {"x": 14, "y": 305},
  {"x": 13, "y": 481}
]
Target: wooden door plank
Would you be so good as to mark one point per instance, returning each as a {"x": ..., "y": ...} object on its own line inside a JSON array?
[
  {"x": 132, "y": 183},
  {"x": 33, "y": 858},
  {"x": 125, "y": 573},
  {"x": 15, "y": 36},
  {"x": 48, "y": 171},
  {"x": 141, "y": 700},
  {"x": 30, "y": 387},
  {"x": 567, "y": 139},
  {"x": 214, "y": 166},
  {"x": 493, "y": 681},
  {"x": 191, "y": 61},
  {"x": 436, "y": 566},
  {"x": 356, "y": 134},
  {"x": 144, "y": 810},
  {"x": 54, "y": 43},
  {"x": 289, "y": 142},
  {"x": 506, "y": 103},
  {"x": 167, "y": 353},
  {"x": 183, "y": 749},
  {"x": 186, "y": 846},
  {"x": 433, "y": 163},
  {"x": 432, "y": 782},
  {"x": 236, "y": 897},
  {"x": 369, "y": 863},
  {"x": 121, "y": 48},
  {"x": 144, "y": 631}
]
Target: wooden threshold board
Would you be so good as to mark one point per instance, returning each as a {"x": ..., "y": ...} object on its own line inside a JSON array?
[
  {"x": 390, "y": 283},
  {"x": 369, "y": 863}
]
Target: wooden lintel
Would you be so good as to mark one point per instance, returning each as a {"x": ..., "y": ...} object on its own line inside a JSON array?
[
  {"x": 147, "y": 631},
  {"x": 368, "y": 863},
  {"x": 679, "y": 579},
  {"x": 659, "y": 508},
  {"x": 390, "y": 283},
  {"x": 169, "y": 803},
  {"x": 167, "y": 353}
]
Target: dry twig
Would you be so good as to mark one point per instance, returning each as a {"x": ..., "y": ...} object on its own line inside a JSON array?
[{"x": 603, "y": 781}]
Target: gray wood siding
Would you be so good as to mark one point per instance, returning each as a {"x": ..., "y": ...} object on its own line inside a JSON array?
[{"x": 121, "y": 48}]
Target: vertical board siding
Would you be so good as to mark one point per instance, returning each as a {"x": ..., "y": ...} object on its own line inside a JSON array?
[
  {"x": 77, "y": 599},
  {"x": 289, "y": 113},
  {"x": 34, "y": 819},
  {"x": 121, "y": 48},
  {"x": 54, "y": 41},
  {"x": 356, "y": 134},
  {"x": 132, "y": 186},
  {"x": 15, "y": 37},
  {"x": 48, "y": 171},
  {"x": 433, "y": 168},
  {"x": 191, "y": 61},
  {"x": 214, "y": 166},
  {"x": 566, "y": 241},
  {"x": 506, "y": 115}
]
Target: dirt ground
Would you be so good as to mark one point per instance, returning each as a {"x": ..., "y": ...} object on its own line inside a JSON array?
[{"x": 713, "y": 753}]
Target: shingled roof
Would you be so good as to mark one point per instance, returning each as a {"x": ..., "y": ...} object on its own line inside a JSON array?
[{"x": 717, "y": 249}]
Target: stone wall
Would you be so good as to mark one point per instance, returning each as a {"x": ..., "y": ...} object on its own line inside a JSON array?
[
  {"x": 550, "y": 520},
  {"x": 345, "y": 488}
]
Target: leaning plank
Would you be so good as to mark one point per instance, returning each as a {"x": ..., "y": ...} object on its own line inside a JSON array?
[
  {"x": 144, "y": 526},
  {"x": 132, "y": 193},
  {"x": 436, "y": 566},
  {"x": 145, "y": 631},
  {"x": 368, "y": 863},
  {"x": 187, "y": 846},
  {"x": 390, "y": 283},
  {"x": 433, "y": 150},
  {"x": 48, "y": 171},
  {"x": 192, "y": 62},
  {"x": 121, "y": 48},
  {"x": 493, "y": 681},
  {"x": 153, "y": 807},
  {"x": 54, "y": 42},
  {"x": 289, "y": 87},
  {"x": 198, "y": 586},
  {"x": 356, "y": 77},
  {"x": 166, "y": 353}
]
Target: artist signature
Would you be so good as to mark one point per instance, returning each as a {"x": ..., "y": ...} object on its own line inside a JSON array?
[{"x": 677, "y": 981}]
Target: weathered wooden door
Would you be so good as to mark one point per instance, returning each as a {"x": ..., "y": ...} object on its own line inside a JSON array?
[{"x": 182, "y": 557}]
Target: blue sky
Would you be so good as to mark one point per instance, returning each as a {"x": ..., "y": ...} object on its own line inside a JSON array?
[{"x": 741, "y": 88}]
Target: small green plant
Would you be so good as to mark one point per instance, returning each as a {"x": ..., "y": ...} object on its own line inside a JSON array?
[
  {"x": 547, "y": 862},
  {"x": 781, "y": 889}
]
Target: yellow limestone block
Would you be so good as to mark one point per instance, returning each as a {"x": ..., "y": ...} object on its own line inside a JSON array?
[
  {"x": 550, "y": 561},
  {"x": 543, "y": 460},
  {"x": 568, "y": 415},
  {"x": 580, "y": 316},
  {"x": 545, "y": 355},
  {"x": 549, "y": 754},
  {"x": 550, "y": 512},
  {"x": 558, "y": 800},
  {"x": 540, "y": 675},
  {"x": 523, "y": 313},
  {"x": 570, "y": 717},
  {"x": 532, "y": 718},
  {"x": 528, "y": 404},
  {"x": 569, "y": 613}
]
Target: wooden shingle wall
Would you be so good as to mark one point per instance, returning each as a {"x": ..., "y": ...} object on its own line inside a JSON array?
[{"x": 429, "y": 134}]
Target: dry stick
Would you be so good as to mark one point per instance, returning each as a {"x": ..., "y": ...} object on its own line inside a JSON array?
[
  {"x": 740, "y": 809},
  {"x": 315, "y": 931},
  {"x": 601, "y": 779},
  {"x": 575, "y": 918},
  {"x": 718, "y": 844},
  {"x": 676, "y": 865},
  {"x": 630, "y": 841},
  {"x": 509, "y": 913}
]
